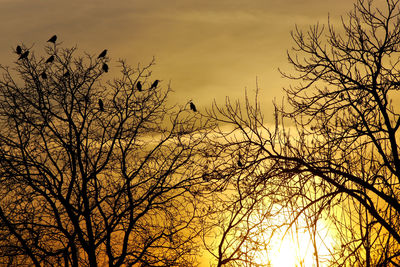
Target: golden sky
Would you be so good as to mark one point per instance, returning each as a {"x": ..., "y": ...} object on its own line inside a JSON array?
[{"x": 208, "y": 49}]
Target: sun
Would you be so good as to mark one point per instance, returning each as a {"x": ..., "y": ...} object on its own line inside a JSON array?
[
  {"x": 289, "y": 247},
  {"x": 293, "y": 249}
]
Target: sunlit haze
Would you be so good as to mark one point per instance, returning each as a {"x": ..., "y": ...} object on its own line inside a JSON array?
[{"x": 207, "y": 50}]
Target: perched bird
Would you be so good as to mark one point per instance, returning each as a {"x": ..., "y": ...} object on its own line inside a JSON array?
[
  {"x": 43, "y": 75},
  {"x": 53, "y": 39},
  {"x": 192, "y": 106},
  {"x": 154, "y": 85},
  {"x": 239, "y": 163},
  {"x": 102, "y": 54},
  {"x": 24, "y": 55},
  {"x": 101, "y": 105},
  {"x": 18, "y": 50},
  {"x": 206, "y": 177},
  {"x": 139, "y": 86},
  {"x": 50, "y": 59},
  {"x": 105, "y": 67}
]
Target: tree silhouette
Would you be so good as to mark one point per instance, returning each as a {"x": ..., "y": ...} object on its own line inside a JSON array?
[
  {"x": 239, "y": 211},
  {"x": 83, "y": 187},
  {"x": 339, "y": 156},
  {"x": 247, "y": 193}
]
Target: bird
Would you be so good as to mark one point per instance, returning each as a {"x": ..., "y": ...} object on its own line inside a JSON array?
[
  {"x": 139, "y": 86},
  {"x": 18, "y": 50},
  {"x": 154, "y": 85},
  {"x": 239, "y": 163},
  {"x": 101, "y": 105},
  {"x": 43, "y": 75},
  {"x": 192, "y": 106},
  {"x": 102, "y": 54},
  {"x": 24, "y": 55},
  {"x": 105, "y": 67},
  {"x": 50, "y": 59},
  {"x": 53, "y": 39},
  {"x": 205, "y": 177}
]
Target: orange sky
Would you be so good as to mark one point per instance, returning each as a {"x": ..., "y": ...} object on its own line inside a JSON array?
[{"x": 208, "y": 49}]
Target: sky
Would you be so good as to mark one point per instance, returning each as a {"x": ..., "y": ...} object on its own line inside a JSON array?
[{"x": 206, "y": 50}]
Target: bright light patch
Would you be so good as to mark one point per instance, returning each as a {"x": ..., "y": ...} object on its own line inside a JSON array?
[{"x": 295, "y": 248}]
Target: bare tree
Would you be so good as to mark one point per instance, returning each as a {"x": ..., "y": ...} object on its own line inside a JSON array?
[
  {"x": 235, "y": 227},
  {"x": 244, "y": 198},
  {"x": 336, "y": 146},
  {"x": 93, "y": 171}
]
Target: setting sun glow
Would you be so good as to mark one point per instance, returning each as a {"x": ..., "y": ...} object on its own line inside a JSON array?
[{"x": 289, "y": 248}]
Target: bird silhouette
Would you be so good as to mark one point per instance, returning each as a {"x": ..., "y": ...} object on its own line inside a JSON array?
[
  {"x": 104, "y": 67},
  {"x": 43, "y": 75},
  {"x": 24, "y": 55},
  {"x": 155, "y": 84},
  {"x": 18, "y": 50},
  {"x": 192, "y": 106},
  {"x": 101, "y": 105},
  {"x": 50, "y": 59},
  {"x": 206, "y": 177},
  {"x": 103, "y": 54},
  {"x": 239, "y": 163},
  {"x": 139, "y": 86},
  {"x": 53, "y": 39}
]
